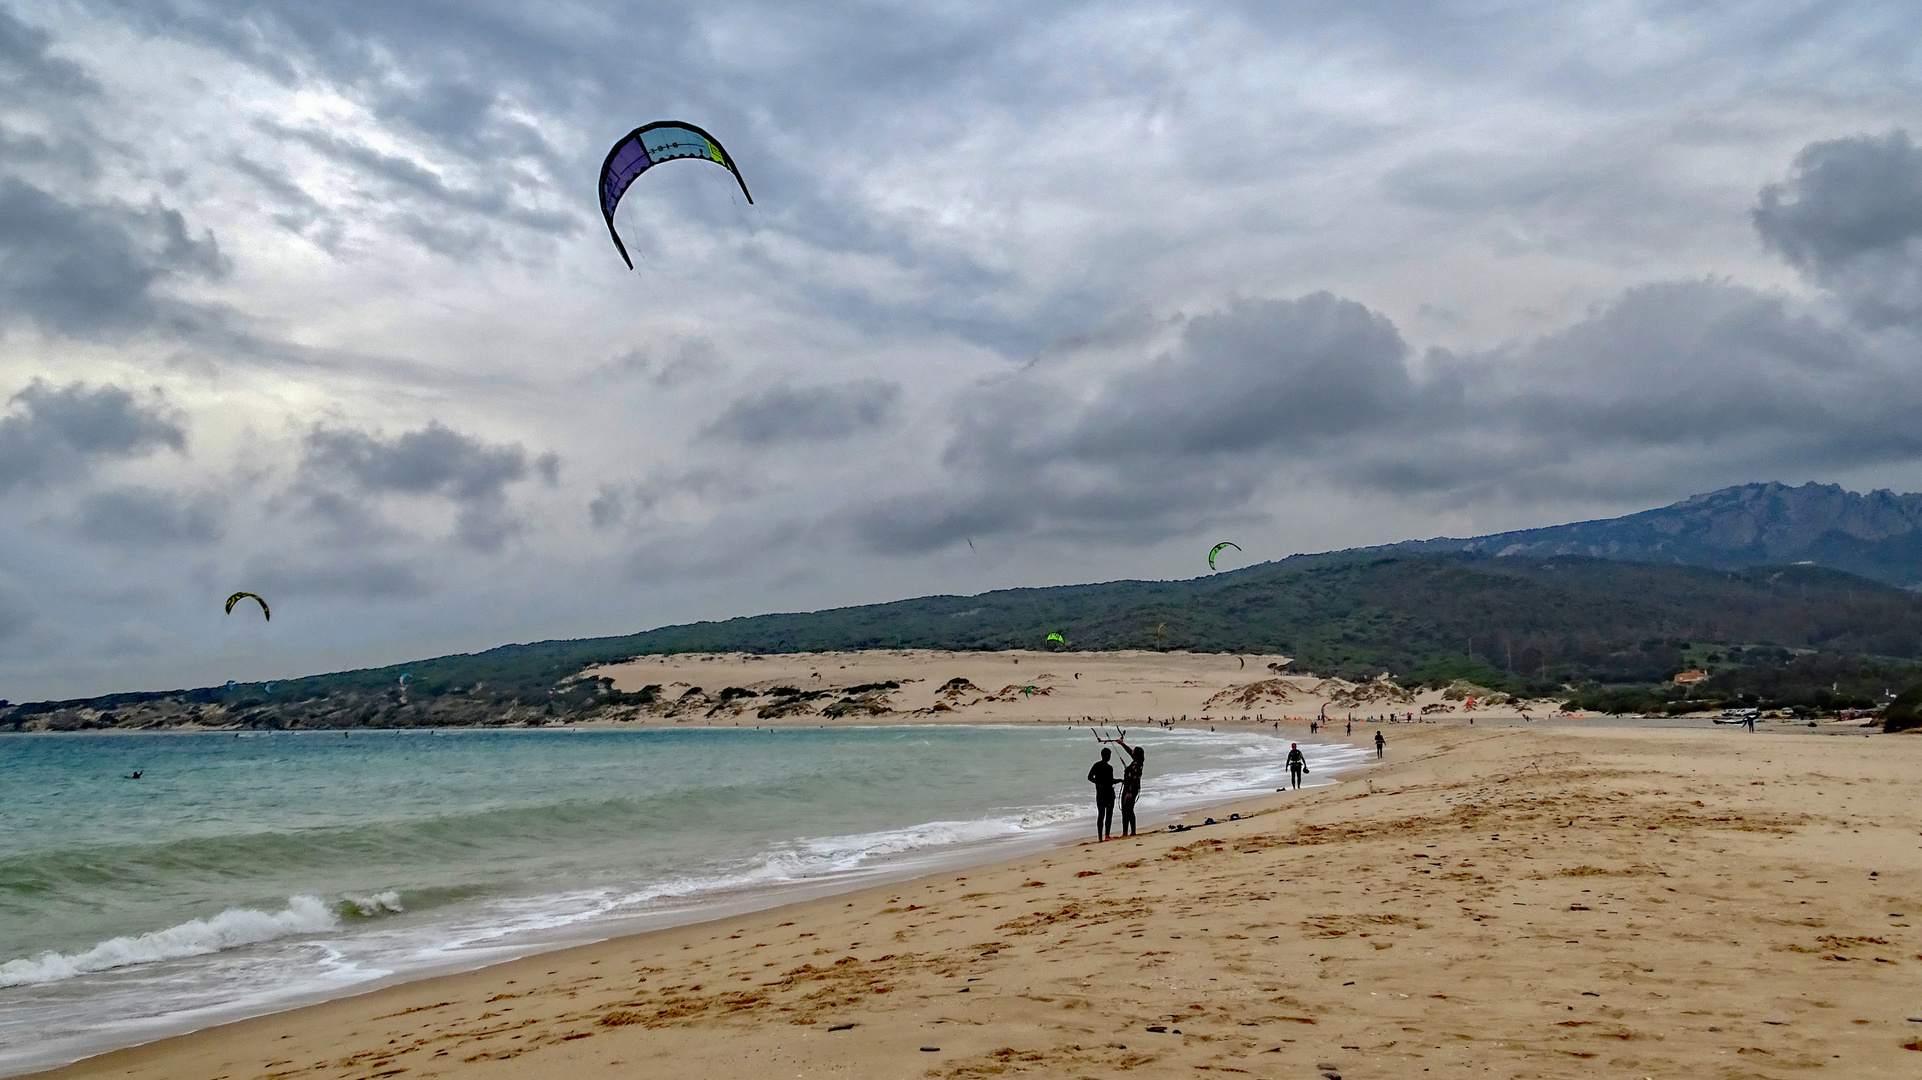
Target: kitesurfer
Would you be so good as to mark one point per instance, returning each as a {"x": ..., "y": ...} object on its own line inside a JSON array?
[
  {"x": 1297, "y": 764},
  {"x": 1101, "y": 775},
  {"x": 1380, "y": 744},
  {"x": 1131, "y": 784}
]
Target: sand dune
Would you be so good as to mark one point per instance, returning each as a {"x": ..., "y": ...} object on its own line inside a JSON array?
[
  {"x": 973, "y": 687},
  {"x": 1495, "y": 901}
]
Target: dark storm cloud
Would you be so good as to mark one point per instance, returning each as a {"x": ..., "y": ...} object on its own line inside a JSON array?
[
  {"x": 92, "y": 271},
  {"x": 706, "y": 486},
  {"x": 71, "y": 263},
  {"x": 54, "y": 434},
  {"x": 145, "y": 518},
  {"x": 1850, "y": 218},
  {"x": 1104, "y": 438},
  {"x": 28, "y": 70},
  {"x": 1715, "y": 380},
  {"x": 607, "y": 508},
  {"x": 1682, "y": 386},
  {"x": 434, "y": 461},
  {"x": 806, "y": 413}
]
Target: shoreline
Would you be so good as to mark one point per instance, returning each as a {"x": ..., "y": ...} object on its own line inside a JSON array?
[{"x": 720, "y": 904}]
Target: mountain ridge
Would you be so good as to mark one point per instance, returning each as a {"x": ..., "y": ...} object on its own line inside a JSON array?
[{"x": 1876, "y": 536}]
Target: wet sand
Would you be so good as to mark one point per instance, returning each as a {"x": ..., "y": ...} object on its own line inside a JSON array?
[{"x": 1491, "y": 901}]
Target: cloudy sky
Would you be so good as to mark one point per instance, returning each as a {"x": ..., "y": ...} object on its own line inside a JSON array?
[{"x": 315, "y": 300}]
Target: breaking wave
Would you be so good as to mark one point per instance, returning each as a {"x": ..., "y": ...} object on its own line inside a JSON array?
[{"x": 230, "y": 929}]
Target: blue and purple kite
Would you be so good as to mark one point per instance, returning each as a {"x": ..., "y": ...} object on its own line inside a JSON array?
[{"x": 647, "y": 146}]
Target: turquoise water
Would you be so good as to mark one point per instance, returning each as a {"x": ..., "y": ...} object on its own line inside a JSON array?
[{"x": 241, "y": 874}]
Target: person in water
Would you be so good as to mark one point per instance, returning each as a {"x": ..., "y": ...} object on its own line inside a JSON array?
[
  {"x": 1297, "y": 764},
  {"x": 1131, "y": 784},
  {"x": 1102, "y": 777},
  {"x": 1380, "y": 743}
]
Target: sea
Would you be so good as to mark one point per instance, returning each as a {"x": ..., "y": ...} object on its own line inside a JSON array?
[{"x": 244, "y": 873}]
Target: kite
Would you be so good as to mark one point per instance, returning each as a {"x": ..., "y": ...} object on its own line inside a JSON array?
[
  {"x": 647, "y": 146},
  {"x": 1056, "y": 638},
  {"x": 1216, "y": 550},
  {"x": 239, "y": 596}
]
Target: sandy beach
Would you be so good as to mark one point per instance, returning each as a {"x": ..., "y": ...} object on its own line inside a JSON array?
[{"x": 1502, "y": 901}]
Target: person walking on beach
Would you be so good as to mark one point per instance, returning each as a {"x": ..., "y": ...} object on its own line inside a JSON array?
[
  {"x": 1297, "y": 764},
  {"x": 1131, "y": 784},
  {"x": 1380, "y": 743},
  {"x": 1102, "y": 777}
]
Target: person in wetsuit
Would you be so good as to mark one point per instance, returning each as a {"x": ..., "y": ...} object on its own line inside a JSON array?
[
  {"x": 1379, "y": 743},
  {"x": 1131, "y": 785},
  {"x": 1102, "y": 777},
  {"x": 1297, "y": 764}
]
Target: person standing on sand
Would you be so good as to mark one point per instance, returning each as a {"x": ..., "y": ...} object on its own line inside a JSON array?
[
  {"x": 1297, "y": 764},
  {"x": 1131, "y": 785},
  {"x": 1102, "y": 777},
  {"x": 1380, "y": 743}
]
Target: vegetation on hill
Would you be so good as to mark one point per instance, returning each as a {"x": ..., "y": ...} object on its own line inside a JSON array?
[{"x": 1905, "y": 712}]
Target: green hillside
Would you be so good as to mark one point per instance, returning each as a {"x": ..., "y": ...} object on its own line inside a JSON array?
[{"x": 1610, "y": 630}]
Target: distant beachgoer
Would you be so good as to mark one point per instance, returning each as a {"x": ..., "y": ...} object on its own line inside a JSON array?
[
  {"x": 1351, "y": 725},
  {"x": 1131, "y": 786},
  {"x": 1313, "y": 726},
  {"x": 1297, "y": 764},
  {"x": 1380, "y": 744},
  {"x": 1102, "y": 777}
]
